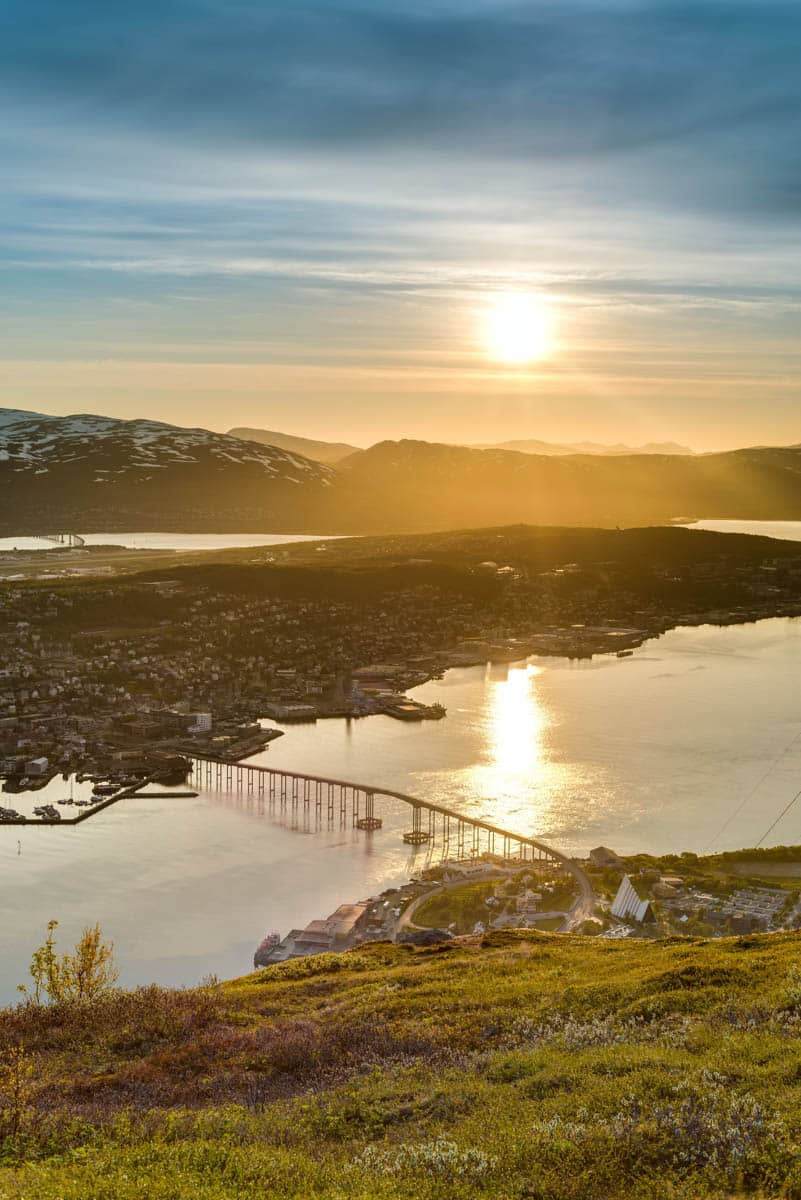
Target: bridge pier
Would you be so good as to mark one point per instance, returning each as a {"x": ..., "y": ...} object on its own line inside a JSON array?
[
  {"x": 369, "y": 821},
  {"x": 416, "y": 836}
]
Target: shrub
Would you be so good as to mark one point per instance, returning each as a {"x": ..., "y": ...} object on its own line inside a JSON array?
[
  {"x": 80, "y": 977},
  {"x": 440, "y": 1158},
  {"x": 701, "y": 1127},
  {"x": 793, "y": 988}
]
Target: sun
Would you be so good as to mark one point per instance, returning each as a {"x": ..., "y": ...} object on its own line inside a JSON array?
[{"x": 518, "y": 328}]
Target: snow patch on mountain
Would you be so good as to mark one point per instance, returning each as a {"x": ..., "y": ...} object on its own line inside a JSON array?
[{"x": 32, "y": 442}]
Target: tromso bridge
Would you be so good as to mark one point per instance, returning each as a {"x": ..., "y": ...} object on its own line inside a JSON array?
[
  {"x": 61, "y": 539},
  {"x": 354, "y": 804}
]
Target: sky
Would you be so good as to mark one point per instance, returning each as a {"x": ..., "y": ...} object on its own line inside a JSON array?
[{"x": 299, "y": 216}]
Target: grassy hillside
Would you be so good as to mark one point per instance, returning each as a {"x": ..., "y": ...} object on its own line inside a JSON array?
[{"x": 518, "y": 1065}]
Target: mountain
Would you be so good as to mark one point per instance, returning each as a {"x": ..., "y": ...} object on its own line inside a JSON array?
[
  {"x": 336, "y": 452},
  {"x": 80, "y": 472},
  {"x": 537, "y": 447},
  {"x": 324, "y": 452},
  {"x": 9, "y": 416},
  {"x": 68, "y": 474},
  {"x": 410, "y": 485}
]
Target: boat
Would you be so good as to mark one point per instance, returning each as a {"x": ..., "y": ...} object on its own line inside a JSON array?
[
  {"x": 48, "y": 811},
  {"x": 266, "y": 948},
  {"x": 71, "y": 798}
]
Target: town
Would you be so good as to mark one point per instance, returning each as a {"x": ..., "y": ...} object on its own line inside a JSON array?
[
  {"x": 635, "y": 897},
  {"x": 118, "y": 676}
]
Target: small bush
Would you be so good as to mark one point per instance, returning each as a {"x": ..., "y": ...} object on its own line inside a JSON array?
[{"x": 440, "y": 1158}]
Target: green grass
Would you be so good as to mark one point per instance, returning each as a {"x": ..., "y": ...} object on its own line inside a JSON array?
[
  {"x": 461, "y": 906},
  {"x": 550, "y": 923},
  {"x": 517, "y": 1066}
]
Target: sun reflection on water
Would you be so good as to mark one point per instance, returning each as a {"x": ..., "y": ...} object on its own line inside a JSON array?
[
  {"x": 516, "y": 721},
  {"x": 511, "y": 780}
]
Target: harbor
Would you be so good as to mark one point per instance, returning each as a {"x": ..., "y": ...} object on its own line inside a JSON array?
[{"x": 93, "y": 795}]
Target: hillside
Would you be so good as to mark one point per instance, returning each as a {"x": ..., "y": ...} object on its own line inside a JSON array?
[
  {"x": 420, "y": 485},
  {"x": 324, "y": 452},
  {"x": 89, "y": 473},
  {"x": 517, "y": 1065},
  {"x": 86, "y": 471},
  {"x": 540, "y": 548}
]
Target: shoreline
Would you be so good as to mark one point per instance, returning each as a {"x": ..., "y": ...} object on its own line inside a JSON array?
[{"x": 570, "y": 646}]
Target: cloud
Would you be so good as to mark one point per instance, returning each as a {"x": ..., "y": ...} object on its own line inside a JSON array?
[
  {"x": 522, "y": 83},
  {"x": 343, "y": 179}
]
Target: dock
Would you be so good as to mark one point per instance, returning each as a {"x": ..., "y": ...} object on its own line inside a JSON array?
[{"x": 105, "y": 802}]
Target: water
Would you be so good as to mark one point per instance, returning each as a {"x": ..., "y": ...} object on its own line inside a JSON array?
[
  {"x": 786, "y": 531},
  {"x": 652, "y": 752},
  {"x": 169, "y": 541}
]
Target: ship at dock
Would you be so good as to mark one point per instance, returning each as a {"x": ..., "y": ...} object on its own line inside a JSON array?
[
  {"x": 402, "y": 708},
  {"x": 266, "y": 948}
]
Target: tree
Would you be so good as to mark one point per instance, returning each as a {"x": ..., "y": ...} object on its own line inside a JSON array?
[
  {"x": 91, "y": 970},
  {"x": 84, "y": 975}
]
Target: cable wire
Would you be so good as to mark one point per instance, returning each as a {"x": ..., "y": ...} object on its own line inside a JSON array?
[
  {"x": 783, "y": 813},
  {"x": 752, "y": 792}
]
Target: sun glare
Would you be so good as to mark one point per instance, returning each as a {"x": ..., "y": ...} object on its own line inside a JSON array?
[{"x": 518, "y": 328}]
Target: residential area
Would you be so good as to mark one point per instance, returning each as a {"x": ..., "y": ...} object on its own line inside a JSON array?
[{"x": 209, "y": 661}]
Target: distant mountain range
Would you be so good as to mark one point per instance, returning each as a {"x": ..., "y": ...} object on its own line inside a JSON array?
[
  {"x": 419, "y": 485},
  {"x": 336, "y": 452},
  {"x": 324, "y": 452},
  {"x": 532, "y": 446},
  {"x": 88, "y": 473}
]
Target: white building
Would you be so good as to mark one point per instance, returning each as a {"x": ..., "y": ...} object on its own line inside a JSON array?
[
  {"x": 201, "y": 723},
  {"x": 627, "y": 905}
]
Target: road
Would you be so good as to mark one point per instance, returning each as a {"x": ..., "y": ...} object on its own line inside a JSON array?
[{"x": 582, "y": 909}]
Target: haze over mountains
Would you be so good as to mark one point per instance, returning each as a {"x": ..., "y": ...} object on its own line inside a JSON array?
[
  {"x": 534, "y": 446},
  {"x": 334, "y": 452},
  {"x": 325, "y": 452},
  {"x": 95, "y": 473}
]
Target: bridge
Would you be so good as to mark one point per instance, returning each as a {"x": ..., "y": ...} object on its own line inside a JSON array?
[
  {"x": 459, "y": 835},
  {"x": 61, "y": 539}
]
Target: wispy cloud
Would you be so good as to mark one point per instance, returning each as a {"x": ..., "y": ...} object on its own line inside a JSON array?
[{"x": 324, "y": 178}]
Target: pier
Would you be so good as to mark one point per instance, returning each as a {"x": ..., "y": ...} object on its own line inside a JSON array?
[{"x": 96, "y": 807}]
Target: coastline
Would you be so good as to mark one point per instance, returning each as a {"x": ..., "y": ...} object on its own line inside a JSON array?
[{"x": 574, "y": 644}]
